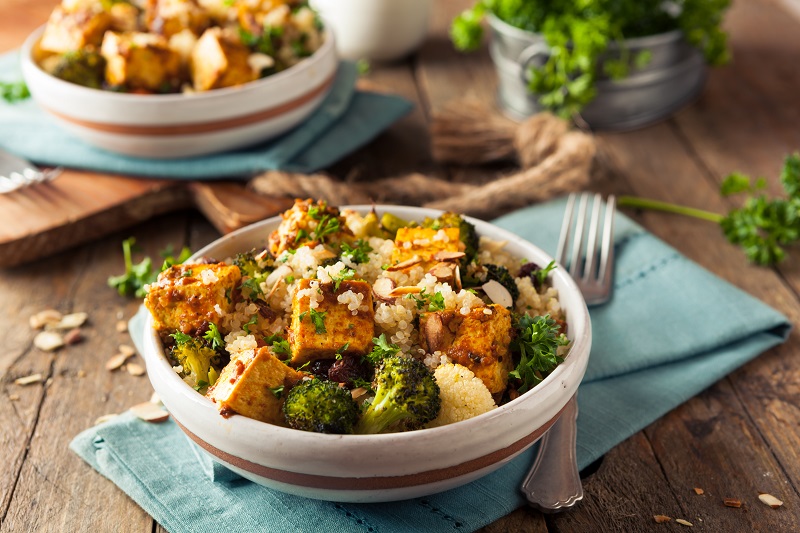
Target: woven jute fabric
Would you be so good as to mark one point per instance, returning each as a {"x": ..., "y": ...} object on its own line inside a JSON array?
[{"x": 552, "y": 159}]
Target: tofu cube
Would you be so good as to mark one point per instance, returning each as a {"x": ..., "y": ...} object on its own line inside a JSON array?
[
  {"x": 479, "y": 341},
  {"x": 140, "y": 61},
  {"x": 69, "y": 31},
  {"x": 424, "y": 242},
  {"x": 309, "y": 223},
  {"x": 248, "y": 386},
  {"x": 337, "y": 320},
  {"x": 168, "y": 17},
  {"x": 185, "y": 297},
  {"x": 220, "y": 60}
]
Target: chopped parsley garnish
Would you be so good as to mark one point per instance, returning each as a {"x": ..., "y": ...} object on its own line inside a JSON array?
[
  {"x": 253, "y": 287},
  {"x": 188, "y": 273},
  {"x": 318, "y": 319},
  {"x": 289, "y": 280},
  {"x": 345, "y": 274},
  {"x": 436, "y": 302},
  {"x": 381, "y": 349},
  {"x": 328, "y": 225},
  {"x": 278, "y": 344},
  {"x": 541, "y": 275},
  {"x": 358, "y": 253},
  {"x": 252, "y": 322},
  {"x": 343, "y": 348},
  {"x": 169, "y": 257},
  {"x": 180, "y": 338},
  {"x": 213, "y": 337},
  {"x": 301, "y": 234},
  {"x": 537, "y": 342},
  {"x": 277, "y": 391},
  {"x": 200, "y": 385}
]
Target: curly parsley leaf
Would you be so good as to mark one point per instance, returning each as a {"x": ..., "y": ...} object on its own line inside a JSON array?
[
  {"x": 358, "y": 253},
  {"x": 278, "y": 344},
  {"x": 537, "y": 342},
  {"x": 14, "y": 91},
  {"x": 180, "y": 338}
]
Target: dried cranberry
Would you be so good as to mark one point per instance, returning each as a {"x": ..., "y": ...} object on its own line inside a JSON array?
[{"x": 348, "y": 369}]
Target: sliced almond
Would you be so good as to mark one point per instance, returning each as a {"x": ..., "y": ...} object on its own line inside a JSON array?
[
  {"x": 382, "y": 289},
  {"x": 660, "y": 518},
  {"x": 73, "y": 336},
  {"x": 497, "y": 293},
  {"x": 324, "y": 255},
  {"x": 127, "y": 350},
  {"x": 358, "y": 392},
  {"x": 42, "y": 318},
  {"x": 442, "y": 271},
  {"x": 135, "y": 369},
  {"x": 732, "y": 502},
  {"x": 401, "y": 291},
  {"x": 29, "y": 380},
  {"x": 149, "y": 412},
  {"x": 105, "y": 418},
  {"x": 81, "y": 373},
  {"x": 402, "y": 265},
  {"x": 683, "y": 522},
  {"x": 457, "y": 278},
  {"x": 48, "y": 341},
  {"x": 122, "y": 326},
  {"x": 770, "y": 500},
  {"x": 154, "y": 398},
  {"x": 446, "y": 255},
  {"x": 698, "y": 491},
  {"x": 70, "y": 321},
  {"x": 278, "y": 276},
  {"x": 116, "y": 361}
]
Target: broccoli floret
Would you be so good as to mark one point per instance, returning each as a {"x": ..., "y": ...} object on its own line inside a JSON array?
[
  {"x": 81, "y": 67},
  {"x": 406, "y": 397},
  {"x": 321, "y": 407},
  {"x": 254, "y": 272},
  {"x": 197, "y": 360},
  {"x": 504, "y": 278},
  {"x": 467, "y": 233}
]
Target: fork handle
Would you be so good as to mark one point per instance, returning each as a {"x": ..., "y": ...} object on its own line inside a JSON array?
[{"x": 553, "y": 483}]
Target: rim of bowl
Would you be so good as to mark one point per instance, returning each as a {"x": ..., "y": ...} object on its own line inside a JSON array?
[
  {"x": 32, "y": 41},
  {"x": 581, "y": 347}
]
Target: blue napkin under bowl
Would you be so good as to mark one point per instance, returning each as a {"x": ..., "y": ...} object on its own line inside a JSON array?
[
  {"x": 346, "y": 120},
  {"x": 671, "y": 330}
]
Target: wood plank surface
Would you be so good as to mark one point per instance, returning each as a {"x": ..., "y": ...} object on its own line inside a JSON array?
[{"x": 738, "y": 438}]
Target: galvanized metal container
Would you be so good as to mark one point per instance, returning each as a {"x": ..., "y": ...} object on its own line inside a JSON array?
[{"x": 673, "y": 77}]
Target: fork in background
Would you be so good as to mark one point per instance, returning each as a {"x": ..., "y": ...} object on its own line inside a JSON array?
[
  {"x": 589, "y": 262},
  {"x": 16, "y": 173}
]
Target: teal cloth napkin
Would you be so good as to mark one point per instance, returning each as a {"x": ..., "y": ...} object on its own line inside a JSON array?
[
  {"x": 671, "y": 330},
  {"x": 346, "y": 120}
]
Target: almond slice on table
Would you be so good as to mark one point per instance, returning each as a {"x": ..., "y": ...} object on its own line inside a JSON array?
[
  {"x": 660, "y": 518},
  {"x": 105, "y": 418},
  {"x": 149, "y": 412},
  {"x": 698, "y": 491},
  {"x": 29, "y": 380},
  {"x": 683, "y": 522},
  {"x": 732, "y": 502},
  {"x": 135, "y": 369},
  {"x": 48, "y": 341},
  {"x": 70, "y": 321},
  {"x": 122, "y": 326},
  {"x": 770, "y": 500},
  {"x": 116, "y": 361},
  {"x": 42, "y": 318},
  {"x": 127, "y": 350},
  {"x": 73, "y": 336}
]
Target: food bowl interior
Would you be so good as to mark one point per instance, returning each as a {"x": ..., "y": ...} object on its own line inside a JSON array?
[{"x": 390, "y": 466}]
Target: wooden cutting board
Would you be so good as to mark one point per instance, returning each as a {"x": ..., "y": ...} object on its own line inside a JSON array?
[{"x": 79, "y": 206}]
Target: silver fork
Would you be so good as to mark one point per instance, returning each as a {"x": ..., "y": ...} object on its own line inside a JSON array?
[
  {"x": 591, "y": 265},
  {"x": 16, "y": 173},
  {"x": 553, "y": 483}
]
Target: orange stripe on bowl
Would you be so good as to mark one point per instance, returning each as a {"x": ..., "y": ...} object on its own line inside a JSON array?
[
  {"x": 371, "y": 483},
  {"x": 199, "y": 127}
]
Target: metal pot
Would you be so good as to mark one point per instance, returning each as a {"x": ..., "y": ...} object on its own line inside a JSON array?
[{"x": 673, "y": 77}]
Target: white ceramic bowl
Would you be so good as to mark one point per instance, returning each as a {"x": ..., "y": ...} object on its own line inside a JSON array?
[
  {"x": 172, "y": 126},
  {"x": 381, "y": 30},
  {"x": 385, "y": 467}
]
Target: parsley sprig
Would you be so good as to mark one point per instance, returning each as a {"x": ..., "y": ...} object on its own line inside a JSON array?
[
  {"x": 138, "y": 275},
  {"x": 214, "y": 337},
  {"x": 317, "y": 319},
  {"x": 14, "y": 91},
  {"x": 382, "y": 348},
  {"x": 763, "y": 227},
  {"x": 358, "y": 253},
  {"x": 537, "y": 342}
]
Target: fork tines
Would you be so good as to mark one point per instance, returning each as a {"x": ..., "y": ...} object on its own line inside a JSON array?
[{"x": 589, "y": 262}]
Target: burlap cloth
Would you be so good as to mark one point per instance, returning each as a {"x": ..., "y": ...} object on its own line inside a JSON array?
[{"x": 552, "y": 160}]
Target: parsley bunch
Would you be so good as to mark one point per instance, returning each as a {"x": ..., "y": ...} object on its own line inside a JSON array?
[
  {"x": 762, "y": 227},
  {"x": 580, "y": 32},
  {"x": 137, "y": 275},
  {"x": 14, "y": 91}
]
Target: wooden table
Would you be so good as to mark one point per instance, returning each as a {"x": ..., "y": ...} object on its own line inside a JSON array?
[{"x": 739, "y": 437}]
